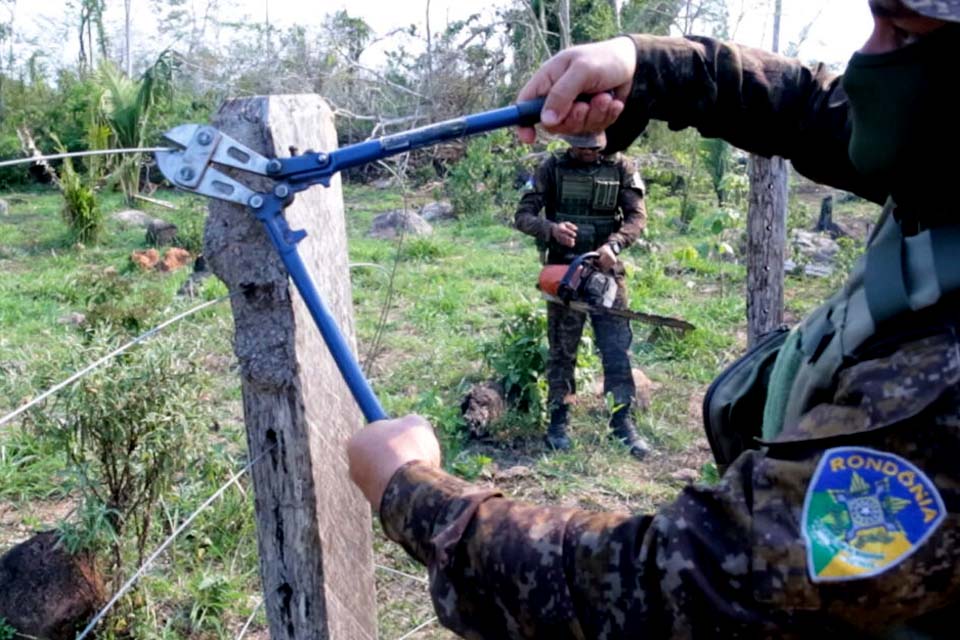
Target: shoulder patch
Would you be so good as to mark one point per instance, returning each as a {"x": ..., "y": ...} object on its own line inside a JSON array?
[
  {"x": 636, "y": 182},
  {"x": 865, "y": 512}
]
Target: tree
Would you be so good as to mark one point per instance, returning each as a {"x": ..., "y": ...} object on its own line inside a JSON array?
[{"x": 766, "y": 233}]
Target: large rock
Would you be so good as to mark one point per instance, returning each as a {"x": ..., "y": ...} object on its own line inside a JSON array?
[
  {"x": 161, "y": 233},
  {"x": 45, "y": 592},
  {"x": 133, "y": 218},
  {"x": 440, "y": 210},
  {"x": 813, "y": 254},
  {"x": 388, "y": 225}
]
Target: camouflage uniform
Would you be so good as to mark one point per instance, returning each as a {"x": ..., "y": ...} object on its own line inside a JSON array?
[
  {"x": 565, "y": 326},
  {"x": 731, "y": 560}
]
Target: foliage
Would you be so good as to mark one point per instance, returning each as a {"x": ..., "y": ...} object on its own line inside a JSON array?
[
  {"x": 7, "y": 631},
  {"x": 211, "y": 596},
  {"x": 519, "y": 356},
  {"x": 127, "y": 106},
  {"x": 115, "y": 302},
  {"x": 128, "y": 430},
  {"x": 484, "y": 179},
  {"x": 716, "y": 157},
  {"x": 80, "y": 209}
]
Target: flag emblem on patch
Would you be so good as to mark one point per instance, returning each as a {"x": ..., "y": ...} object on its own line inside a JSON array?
[{"x": 865, "y": 512}]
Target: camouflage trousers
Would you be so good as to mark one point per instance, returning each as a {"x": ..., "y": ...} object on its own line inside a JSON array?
[{"x": 613, "y": 336}]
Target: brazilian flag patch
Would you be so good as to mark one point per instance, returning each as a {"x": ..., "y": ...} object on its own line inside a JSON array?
[{"x": 865, "y": 512}]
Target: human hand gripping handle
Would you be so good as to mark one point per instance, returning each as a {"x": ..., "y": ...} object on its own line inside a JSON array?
[
  {"x": 597, "y": 69},
  {"x": 376, "y": 452}
]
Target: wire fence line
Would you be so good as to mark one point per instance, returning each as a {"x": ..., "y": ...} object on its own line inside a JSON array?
[
  {"x": 417, "y": 629},
  {"x": 401, "y": 573},
  {"x": 113, "y": 354},
  {"x": 80, "y": 154},
  {"x": 166, "y": 543}
]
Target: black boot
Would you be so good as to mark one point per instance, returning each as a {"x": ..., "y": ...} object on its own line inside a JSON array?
[
  {"x": 556, "y": 437},
  {"x": 625, "y": 431}
]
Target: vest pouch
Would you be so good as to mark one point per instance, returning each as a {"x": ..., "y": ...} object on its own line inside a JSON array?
[
  {"x": 605, "y": 194},
  {"x": 734, "y": 402}
]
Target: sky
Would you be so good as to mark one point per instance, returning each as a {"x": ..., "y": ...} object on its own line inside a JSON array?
[{"x": 838, "y": 26}]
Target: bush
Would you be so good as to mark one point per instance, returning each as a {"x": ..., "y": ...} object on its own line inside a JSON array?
[
  {"x": 80, "y": 209},
  {"x": 519, "y": 357},
  {"x": 484, "y": 179},
  {"x": 128, "y": 430},
  {"x": 113, "y": 302}
]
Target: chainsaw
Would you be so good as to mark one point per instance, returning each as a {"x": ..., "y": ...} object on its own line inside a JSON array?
[{"x": 582, "y": 286}]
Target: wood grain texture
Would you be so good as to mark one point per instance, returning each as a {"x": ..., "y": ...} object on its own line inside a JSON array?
[{"x": 313, "y": 526}]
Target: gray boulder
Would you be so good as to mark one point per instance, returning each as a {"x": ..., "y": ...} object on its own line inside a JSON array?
[
  {"x": 389, "y": 225},
  {"x": 440, "y": 210},
  {"x": 161, "y": 233},
  {"x": 813, "y": 254},
  {"x": 131, "y": 218}
]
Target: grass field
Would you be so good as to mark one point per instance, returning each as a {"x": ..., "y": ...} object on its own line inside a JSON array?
[{"x": 450, "y": 295}]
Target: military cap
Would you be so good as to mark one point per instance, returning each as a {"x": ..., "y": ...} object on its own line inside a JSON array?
[
  {"x": 942, "y": 9},
  {"x": 596, "y": 140}
]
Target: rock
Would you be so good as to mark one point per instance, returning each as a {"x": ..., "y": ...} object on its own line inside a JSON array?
[
  {"x": 45, "y": 592},
  {"x": 644, "y": 394},
  {"x": 76, "y": 319},
  {"x": 133, "y": 218},
  {"x": 382, "y": 183},
  {"x": 516, "y": 471},
  {"x": 440, "y": 210},
  {"x": 146, "y": 259},
  {"x": 161, "y": 233},
  {"x": 175, "y": 258},
  {"x": 388, "y": 225},
  {"x": 483, "y": 405},
  {"x": 4, "y": 208},
  {"x": 685, "y": 475},
  {"x": 812, "y": 253}
]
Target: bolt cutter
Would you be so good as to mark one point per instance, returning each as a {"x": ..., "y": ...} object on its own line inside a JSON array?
[{"x": 197, "y": 150}]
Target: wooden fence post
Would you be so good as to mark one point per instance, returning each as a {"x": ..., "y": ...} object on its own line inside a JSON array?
[{"x": 313, "y": 526}]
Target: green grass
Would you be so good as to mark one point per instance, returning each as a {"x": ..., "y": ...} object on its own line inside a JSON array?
[{"x": 451, "y": 293}]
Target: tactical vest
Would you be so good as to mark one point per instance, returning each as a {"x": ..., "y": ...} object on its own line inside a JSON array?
[
  {"x": 783, "y": 377},
  {"x": 587, "y": 196}
]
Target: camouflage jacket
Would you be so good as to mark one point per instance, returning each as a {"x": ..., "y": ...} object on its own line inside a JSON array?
[
  {"x": 846, "y": 525},
  {"x": 542, "y": 196}
]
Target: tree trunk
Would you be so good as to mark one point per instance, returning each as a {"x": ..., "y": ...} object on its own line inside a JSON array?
[
  {"x": 313, "y": 526},
  {"x": 766, "y": 234},
  {"x": 126, "y": 38}
]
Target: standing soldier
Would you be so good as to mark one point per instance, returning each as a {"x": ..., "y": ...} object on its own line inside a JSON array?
[{"x": 591, "y": 203}]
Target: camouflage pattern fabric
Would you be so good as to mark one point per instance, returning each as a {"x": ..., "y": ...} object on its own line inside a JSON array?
[
  {"x": 719, "y": 562},
  {"x": 541, "y": 196},
  {"x": 729, "y": 560},
  {"x": 613, "y": 336}
]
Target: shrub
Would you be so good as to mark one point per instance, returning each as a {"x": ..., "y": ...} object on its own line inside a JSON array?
[
  {"x": 485, "y": 177},
  {"x": 519, "y": 357},
  {"x": 128, "y": 430},
  {"x": 80, "y": 209}
]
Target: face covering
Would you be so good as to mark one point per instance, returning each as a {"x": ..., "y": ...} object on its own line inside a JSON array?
[{"x": 906, "y": 120}]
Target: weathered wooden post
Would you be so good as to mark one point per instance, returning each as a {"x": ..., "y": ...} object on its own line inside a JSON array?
[{"x": 313, "y": 526}]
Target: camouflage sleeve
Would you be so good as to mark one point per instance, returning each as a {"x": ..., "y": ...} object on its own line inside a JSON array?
[
  {"x": 631, "y": 204},
  {"x": 815, "y": 535},
  {"x": 540, "y": 196},
  {"x": 758, "y": 101}
]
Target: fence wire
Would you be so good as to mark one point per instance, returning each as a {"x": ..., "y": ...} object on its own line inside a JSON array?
[
  {"x": 166, "y": 543},
  {"x": 113, "y": 354},
  {"x": 80, "y": 154},
  {"x": 417, "y": 629}
]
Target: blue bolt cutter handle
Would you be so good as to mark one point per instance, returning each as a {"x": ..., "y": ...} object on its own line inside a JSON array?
[{"x": 191, "y": 167}]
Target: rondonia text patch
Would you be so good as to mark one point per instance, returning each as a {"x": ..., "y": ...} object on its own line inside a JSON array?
[{"x": 865, "y": 512}]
